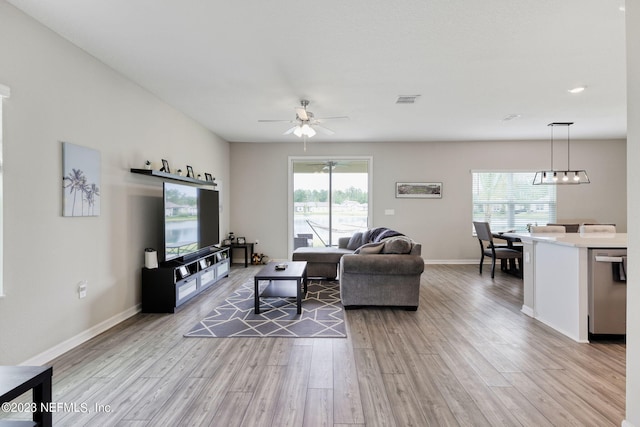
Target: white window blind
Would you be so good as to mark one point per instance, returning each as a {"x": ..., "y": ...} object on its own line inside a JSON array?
[{"x": 509, "y": 201}]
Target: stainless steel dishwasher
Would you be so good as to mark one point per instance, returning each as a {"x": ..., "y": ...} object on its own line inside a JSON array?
[{"x": 607, "y": 292}]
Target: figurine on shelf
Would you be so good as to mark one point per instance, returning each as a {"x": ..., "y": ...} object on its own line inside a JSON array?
[
  {"x": 231, "y": 236},
  {"x": 180, "y": 172},
  {"x": 147, "y": 165}
]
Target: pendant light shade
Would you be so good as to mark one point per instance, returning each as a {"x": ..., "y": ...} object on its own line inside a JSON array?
[{"x": 561, "y": 177}]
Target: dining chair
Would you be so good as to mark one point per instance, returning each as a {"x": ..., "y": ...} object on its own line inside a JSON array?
[
  {"x": 487, "y": 248},
  {"x": 548, "y": 229},
  {"x": 597, "y": 228},
  {"x": 569, "y": 228}
]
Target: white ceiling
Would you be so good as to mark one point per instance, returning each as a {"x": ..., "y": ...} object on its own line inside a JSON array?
[{"x": 228, "y": 64}]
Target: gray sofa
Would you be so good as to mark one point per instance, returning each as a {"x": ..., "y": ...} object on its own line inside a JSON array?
[
  {"x": 379, "y": 267},
  {"x": 388, "y": 278}
]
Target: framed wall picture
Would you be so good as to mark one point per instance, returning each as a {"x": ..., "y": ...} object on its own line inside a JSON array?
[
  {"x": 80, "y": 180},
  {"x": 241, "y": 240},
  {"x": 418, "y": 190}
]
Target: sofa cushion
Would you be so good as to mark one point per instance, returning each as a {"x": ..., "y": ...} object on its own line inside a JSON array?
[
  {"x": 366, "y": 236},
  {"x": 355, "y": 241},
  {"x": 370, "y": 248},
  {"x": 325, "y": 255},
  {"x": 397, "y": 245},
  {"x": 383, "y": 264}
]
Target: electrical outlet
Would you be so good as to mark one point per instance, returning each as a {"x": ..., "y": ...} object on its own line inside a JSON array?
[{"x": 82, "y": 289}]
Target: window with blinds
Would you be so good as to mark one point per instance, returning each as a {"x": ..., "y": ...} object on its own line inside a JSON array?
[{"x": 509, "y": 201}]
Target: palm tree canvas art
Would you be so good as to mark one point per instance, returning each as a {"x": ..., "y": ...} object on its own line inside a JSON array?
[{"x": 80, "y": 180}]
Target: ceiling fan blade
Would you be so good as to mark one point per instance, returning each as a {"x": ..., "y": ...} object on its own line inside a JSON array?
[
  {"x": 290, "y": 130},
  {"x": 333, "y": 118},
  {"x": 302, "y": 113},
  {"x": 323, "y": 129},
  {"x": 277, "y": 121}
]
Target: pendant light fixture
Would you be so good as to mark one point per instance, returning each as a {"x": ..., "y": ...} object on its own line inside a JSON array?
[{"x": 561, "y": 177}]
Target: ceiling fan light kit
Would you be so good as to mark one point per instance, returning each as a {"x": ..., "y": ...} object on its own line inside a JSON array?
[{"x": 561, "y": 177}]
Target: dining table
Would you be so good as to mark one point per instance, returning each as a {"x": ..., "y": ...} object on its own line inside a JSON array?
[
  {"x": 509, "y": 237},
  {"x": 510, "y": 266}
]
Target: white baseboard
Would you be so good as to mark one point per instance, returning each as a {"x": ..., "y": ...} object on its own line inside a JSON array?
[
  {"x": 626, "y": 423},
  {"x": 527, "y": 310},
  {"x": 562, "y": 331},
  {"x": 58, "y": 350}
]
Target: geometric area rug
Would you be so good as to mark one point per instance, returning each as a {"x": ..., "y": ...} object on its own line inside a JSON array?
[{"x": 322, "y": 315}]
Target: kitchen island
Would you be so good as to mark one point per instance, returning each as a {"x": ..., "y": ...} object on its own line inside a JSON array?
[{"x": 556, "y": 277}]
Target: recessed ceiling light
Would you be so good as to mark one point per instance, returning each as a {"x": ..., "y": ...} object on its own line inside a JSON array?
[
  {"x": 577, "y": 89},
  {"x": 511, "y": 117}
]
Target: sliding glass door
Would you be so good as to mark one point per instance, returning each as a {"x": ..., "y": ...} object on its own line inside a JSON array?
[{"x": 330, "y": 200}]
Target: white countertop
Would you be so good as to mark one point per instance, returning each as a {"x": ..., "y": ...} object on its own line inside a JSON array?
[{"x": 587, "y": 240}]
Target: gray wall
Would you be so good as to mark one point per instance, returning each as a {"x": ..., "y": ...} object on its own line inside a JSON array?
[
  {"x": 259, "y": 187},
  {"x": 59, "y": 93}
]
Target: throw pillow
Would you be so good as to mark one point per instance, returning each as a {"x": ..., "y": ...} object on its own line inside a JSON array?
[
  {"x": 370, "y": 248},
  {"x": 355, "y": 241},
  {"x": 397, "y": 245}
]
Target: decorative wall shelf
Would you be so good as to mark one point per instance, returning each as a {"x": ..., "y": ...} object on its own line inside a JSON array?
[{"x": 172, "y": 176}]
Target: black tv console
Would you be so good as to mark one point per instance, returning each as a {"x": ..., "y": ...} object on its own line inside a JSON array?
[{"x": 177, "y": 281}]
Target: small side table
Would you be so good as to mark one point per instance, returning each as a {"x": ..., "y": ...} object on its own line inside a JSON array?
[
  {"x": 15, "y": 380},
  {"x": 248, "y": 251}
]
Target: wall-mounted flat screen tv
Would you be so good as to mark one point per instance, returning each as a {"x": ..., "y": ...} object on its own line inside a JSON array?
[{"x": 191, "y": 220}]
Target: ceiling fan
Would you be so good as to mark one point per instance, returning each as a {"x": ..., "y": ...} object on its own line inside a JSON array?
[{"x": 306, "y": 123}]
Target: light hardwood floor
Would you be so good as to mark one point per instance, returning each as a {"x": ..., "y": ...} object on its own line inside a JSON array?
[{"x": 466, "y": 357}]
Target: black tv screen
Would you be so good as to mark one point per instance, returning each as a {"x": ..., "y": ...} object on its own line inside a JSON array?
[{"x": 190, "y": 220}]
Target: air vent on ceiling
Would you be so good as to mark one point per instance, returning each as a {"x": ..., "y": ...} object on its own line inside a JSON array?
[{"x": 407, "y": 99}]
